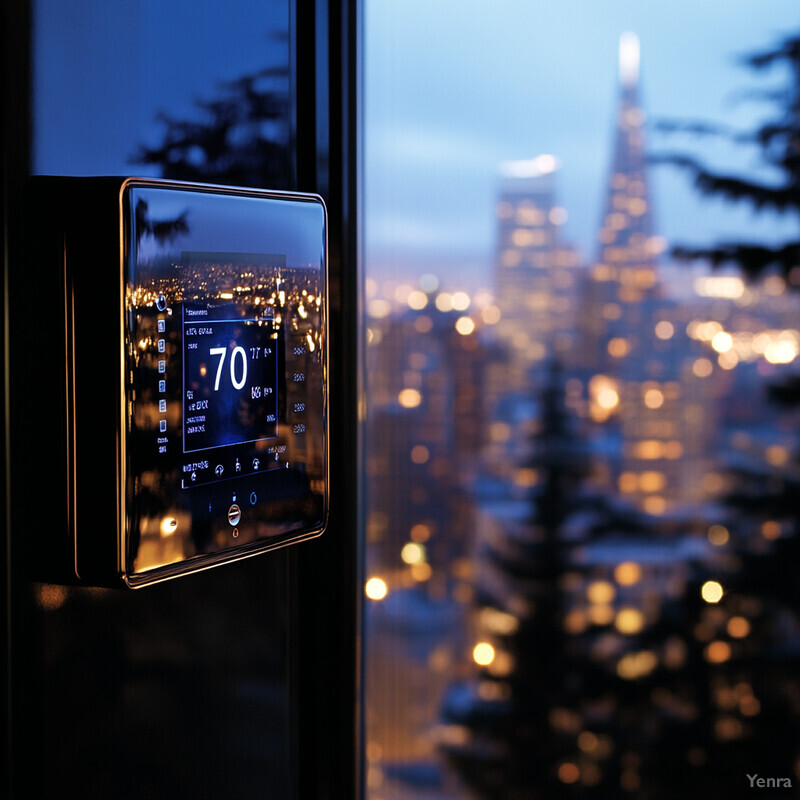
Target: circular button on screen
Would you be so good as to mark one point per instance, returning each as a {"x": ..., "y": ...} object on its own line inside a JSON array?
[{"x": 234, "y": 514}]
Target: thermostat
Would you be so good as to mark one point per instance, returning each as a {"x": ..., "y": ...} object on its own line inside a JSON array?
[{"x": 177, "y": 415}]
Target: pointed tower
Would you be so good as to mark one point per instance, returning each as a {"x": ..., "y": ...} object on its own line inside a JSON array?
[
  {"x": 624, "y": 277},
  {"x": 637, "y": 357},
  {"x": 627, "y": 247}
]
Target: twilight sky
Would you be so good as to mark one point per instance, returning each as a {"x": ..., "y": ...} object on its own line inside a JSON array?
[{"x": 454, "y": 87}]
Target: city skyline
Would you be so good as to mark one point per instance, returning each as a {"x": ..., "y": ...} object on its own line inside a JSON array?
[
  {"x": 569, "y": 526},
  {"x": 433, "y": 164}
]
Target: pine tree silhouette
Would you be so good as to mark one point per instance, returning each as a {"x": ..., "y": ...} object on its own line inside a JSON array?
[
  {"x": 523, "y": 716},
  {"x": 779, "y": 143},
  {"x": 240, "y": 138}
]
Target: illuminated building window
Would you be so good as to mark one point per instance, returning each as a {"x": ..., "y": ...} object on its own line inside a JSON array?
[
  {"x": 420, "y": 454},
  {"x": 653, "y": 398},
  {"x": 529, "y": 215},
  {"x": 654, "y": 505},
  {"x": 423, "y": 324},
  {"x": 420, "y": 532},
  {"x": 648, "y": 449},
  {"x": 629, "y": 621},
  {"x": 602, "y": 272},
  {"x": 522, "y": 237},
  {"x": 652, "y": 481},
  {"x": 628, "y": 482},
  {"x": 628, "y": 573},
  {"x": 637, "y": 207},
  {"x": 718, "y": 652},
  {"x": 718, "y": 535},
  {"x": 617, "y": 221},
  {"x": 511, "y": 258},
  {"x": 618, "y": 347},
  {"x": 702, "y": 368},
  {"x": 600, "y": 592},
  {"x": 771, "y": 530},
  {"x": 672, "y": 450},
  {"x": 711, "y": 591}
]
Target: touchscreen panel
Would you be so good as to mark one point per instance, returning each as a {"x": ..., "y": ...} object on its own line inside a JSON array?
[{"x": 225, "y": 374}]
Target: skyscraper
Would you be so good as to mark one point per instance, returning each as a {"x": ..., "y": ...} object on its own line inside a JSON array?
[
  {"x": 535, "y": 272},
  {"x": 644, "y": 377}
]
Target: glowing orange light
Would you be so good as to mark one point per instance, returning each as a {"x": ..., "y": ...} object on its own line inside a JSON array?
[
  {"x": 568, "y": 773},
  {"x": 629, "y": 621},
  {"x": 711, "y": 592},
  {"x": 738, "y": 627},
  {"x": 376, "y": 589},
  {"x": 628, "y": 573},
  {"x": 702, "y": 368},
  {"x": 483, "y": 654},
  {"x": 420, "y": 454},
  {"x": 718, "y": 652},
  {"x": 409, "y": 398},
  {"x": 600, "y": 592},
  {"x": 718, "y": 535},
  {"x": 654, "y": 398}
]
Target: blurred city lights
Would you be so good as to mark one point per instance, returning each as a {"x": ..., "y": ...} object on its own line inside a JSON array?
[
  {"x": 465, "y": 326},
  {"x": 665, "y": 329},
  {"x": 413, "y": 553},
  {"x": 629, "y": 621},
  {"x": 444, "y": 301},
  {"x": 718, "y": 535},
  {"x": 417, "y": 300},
  {"x": 628, "y": 573},
  {"x": 483, "y": 654},
  {"x": 600, "y": 592},
  {"x": 738, "y": 627},
  {"x": 702, "y": 368},
  {"x": 568, "y": 772},
  {"x": 711, "y": 592},
  {"x": 461, "y": 301},
  {"x": 409, "y": 398},
  {"x": 722, "y": 342},
  {"x": 376, "y": 589},
  {"x": 718, "y": 652}
]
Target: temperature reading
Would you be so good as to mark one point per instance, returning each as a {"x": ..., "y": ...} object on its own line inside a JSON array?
[{"x": 237, "y": 382}]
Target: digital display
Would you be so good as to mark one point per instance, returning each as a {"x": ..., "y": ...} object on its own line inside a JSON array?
[{"x": 227, "y": 407}]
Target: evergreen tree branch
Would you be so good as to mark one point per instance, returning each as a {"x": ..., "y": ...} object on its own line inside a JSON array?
[
  {"x": 754, "y": 259},
  {"x": 761, "y": 196}
]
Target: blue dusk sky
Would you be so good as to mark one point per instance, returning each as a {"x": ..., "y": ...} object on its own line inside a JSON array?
[
  {"x": 454, "y": 87},
  {"x": 451, "y": 89}
]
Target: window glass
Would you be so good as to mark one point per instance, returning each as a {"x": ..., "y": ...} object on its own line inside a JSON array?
[
  {"x": 181, "y": 689},
  {"x": 582, "y": 314}
]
